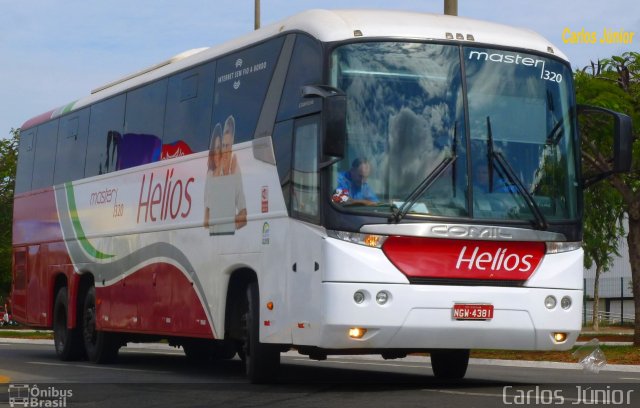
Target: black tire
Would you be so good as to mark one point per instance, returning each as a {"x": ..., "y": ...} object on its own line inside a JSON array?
[
  {"x": 101, "y": 347},
  {"x": 223, "y": 350},
  {"x": 450, "y": 364},
  {"x": 67, "y": 342},
  {"x": 199, "y": 351},
  {"x": 261, "y": 360},
  {"x": 202, "y": 351}
]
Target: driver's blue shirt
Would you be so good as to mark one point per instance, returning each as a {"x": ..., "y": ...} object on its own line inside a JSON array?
[{"x": 354, "y": 192}]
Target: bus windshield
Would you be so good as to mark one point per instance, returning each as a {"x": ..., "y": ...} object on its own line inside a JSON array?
[{"x": 497, "y": 144}]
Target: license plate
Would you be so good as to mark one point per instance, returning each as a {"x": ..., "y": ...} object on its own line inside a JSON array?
[{"x": 472, "y": 312}]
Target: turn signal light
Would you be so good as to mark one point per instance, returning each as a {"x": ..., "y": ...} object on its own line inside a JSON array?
[
  {"x": 357, "y": 332},
  {"x": 372, "y": 240}
]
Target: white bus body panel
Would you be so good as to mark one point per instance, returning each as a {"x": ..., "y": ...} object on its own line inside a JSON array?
[{"x": 420, "y": 316}]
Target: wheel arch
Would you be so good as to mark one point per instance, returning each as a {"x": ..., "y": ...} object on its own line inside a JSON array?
[
  {"x": 59, "y": 281},
  {"x": 81, "y": 282},
  {"x": 239, "y": 280}
]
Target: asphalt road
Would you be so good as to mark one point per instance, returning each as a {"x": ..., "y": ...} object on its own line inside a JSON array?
[{"x": 159, "y": 376}]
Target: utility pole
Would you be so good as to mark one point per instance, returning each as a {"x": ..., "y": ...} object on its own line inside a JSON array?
[
  {"x": 256, "y": 20},
  {"x": 451, "y": 7}
]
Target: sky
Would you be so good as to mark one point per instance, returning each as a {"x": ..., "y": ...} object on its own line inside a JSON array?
[{"x": 53, "y": 52}]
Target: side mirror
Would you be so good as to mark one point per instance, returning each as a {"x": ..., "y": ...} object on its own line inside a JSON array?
[
  {"x": 622, "y": 140},
  {"x": 334, "y": 118}
]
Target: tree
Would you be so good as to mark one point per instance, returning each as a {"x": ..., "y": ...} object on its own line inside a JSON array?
[
  {"x": 8, "y": 162},
  {"x": 603, "y": 229},
  {"x": 615, "y": 84}
]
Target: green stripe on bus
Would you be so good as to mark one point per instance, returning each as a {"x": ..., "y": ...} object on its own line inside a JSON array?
[
  {"x": 73, "y": 212},
  {"x": 67, "y": 108}
]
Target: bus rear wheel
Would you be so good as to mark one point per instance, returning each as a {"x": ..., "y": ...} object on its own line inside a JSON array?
[
  {"x": 261, "y": 360},
  {"x": 68, "y": 342},
  {"x": 450, "y": 364},
  {"x": 102, "y": 347}
]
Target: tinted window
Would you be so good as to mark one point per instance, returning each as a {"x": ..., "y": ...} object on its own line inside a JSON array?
[
  {"x": 105, "y": 131},
  {"x": 189, "y": 108},
  {"x": 242, "y": 80},
  {"x": 305, "y": 69},
  {"x": 25, "y": 161},
  {"x": 306, "y": 186},
  {"x": 44, "y": 159},
  {"x": 145, "y": 109},
  {"x": 72, "y": 147},
  {"x": 144, "y": 123},
  {"x": 282, "y": 144}
]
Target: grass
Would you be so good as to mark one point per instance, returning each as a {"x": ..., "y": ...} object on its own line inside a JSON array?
[
  {"x": 614, "y": 355},
  {"x": 26, "y": 334}
]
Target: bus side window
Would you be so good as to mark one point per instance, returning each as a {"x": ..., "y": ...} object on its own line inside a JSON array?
[
  {"x": 241, "y": 84},
  {"x": 282, "y": 146},
  {"x": 105, "y": 131},
  {"x": 306, "y": 188},
  {"x": 72, "y": 147},
  {"x": 305, "y": 68},
  {"x": 143, "y": 126},
  {"x": 25, "y": 161},
  {"x": 44, "y": 160},
  {"x": 189, "y": 108}
]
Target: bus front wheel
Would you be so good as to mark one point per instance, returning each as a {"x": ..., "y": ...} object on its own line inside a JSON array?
[
  {"x": 450, "y": 364},
  {"x": 102, "y": 347},
  {"x": 261, "y": 360},
  {"x": 68, "y": 342}
]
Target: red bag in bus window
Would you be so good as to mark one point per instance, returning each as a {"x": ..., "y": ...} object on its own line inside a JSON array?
[
  {"x": 340, "y": 196},
  {"x": 176, "y": 149}
]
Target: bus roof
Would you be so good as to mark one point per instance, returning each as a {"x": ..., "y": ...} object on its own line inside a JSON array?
[{"x": 328, "y": 26}]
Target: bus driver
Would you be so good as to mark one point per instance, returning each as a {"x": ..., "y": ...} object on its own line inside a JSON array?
[{"x": 352, "y": 185}]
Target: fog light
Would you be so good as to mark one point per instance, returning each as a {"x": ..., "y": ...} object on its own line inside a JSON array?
[
  {"x": 550, "y": 302},
  {"x": 358, "y": 297},
  {"x": 357, "y": 332},
  {"x": 382, "y": 297},
  {"x": 565, "y": 302},
  {"x": 559, "y": 337}
]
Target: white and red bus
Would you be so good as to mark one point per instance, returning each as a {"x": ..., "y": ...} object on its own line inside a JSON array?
[{"x": 340, "y": 182}]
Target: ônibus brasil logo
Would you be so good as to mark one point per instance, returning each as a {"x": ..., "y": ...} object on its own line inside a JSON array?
[{"x": 24, "y": 395}]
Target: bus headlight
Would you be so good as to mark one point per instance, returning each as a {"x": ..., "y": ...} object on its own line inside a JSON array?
[
  {"x": 559, "y": 247},
  {"x": 565, "y": 302}
]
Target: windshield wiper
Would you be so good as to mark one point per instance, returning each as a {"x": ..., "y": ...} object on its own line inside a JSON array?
[
  {"x": 554, "y": 136},
  {"x": 513, "y": 179},
  {"x": 398, "y": 213}
]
